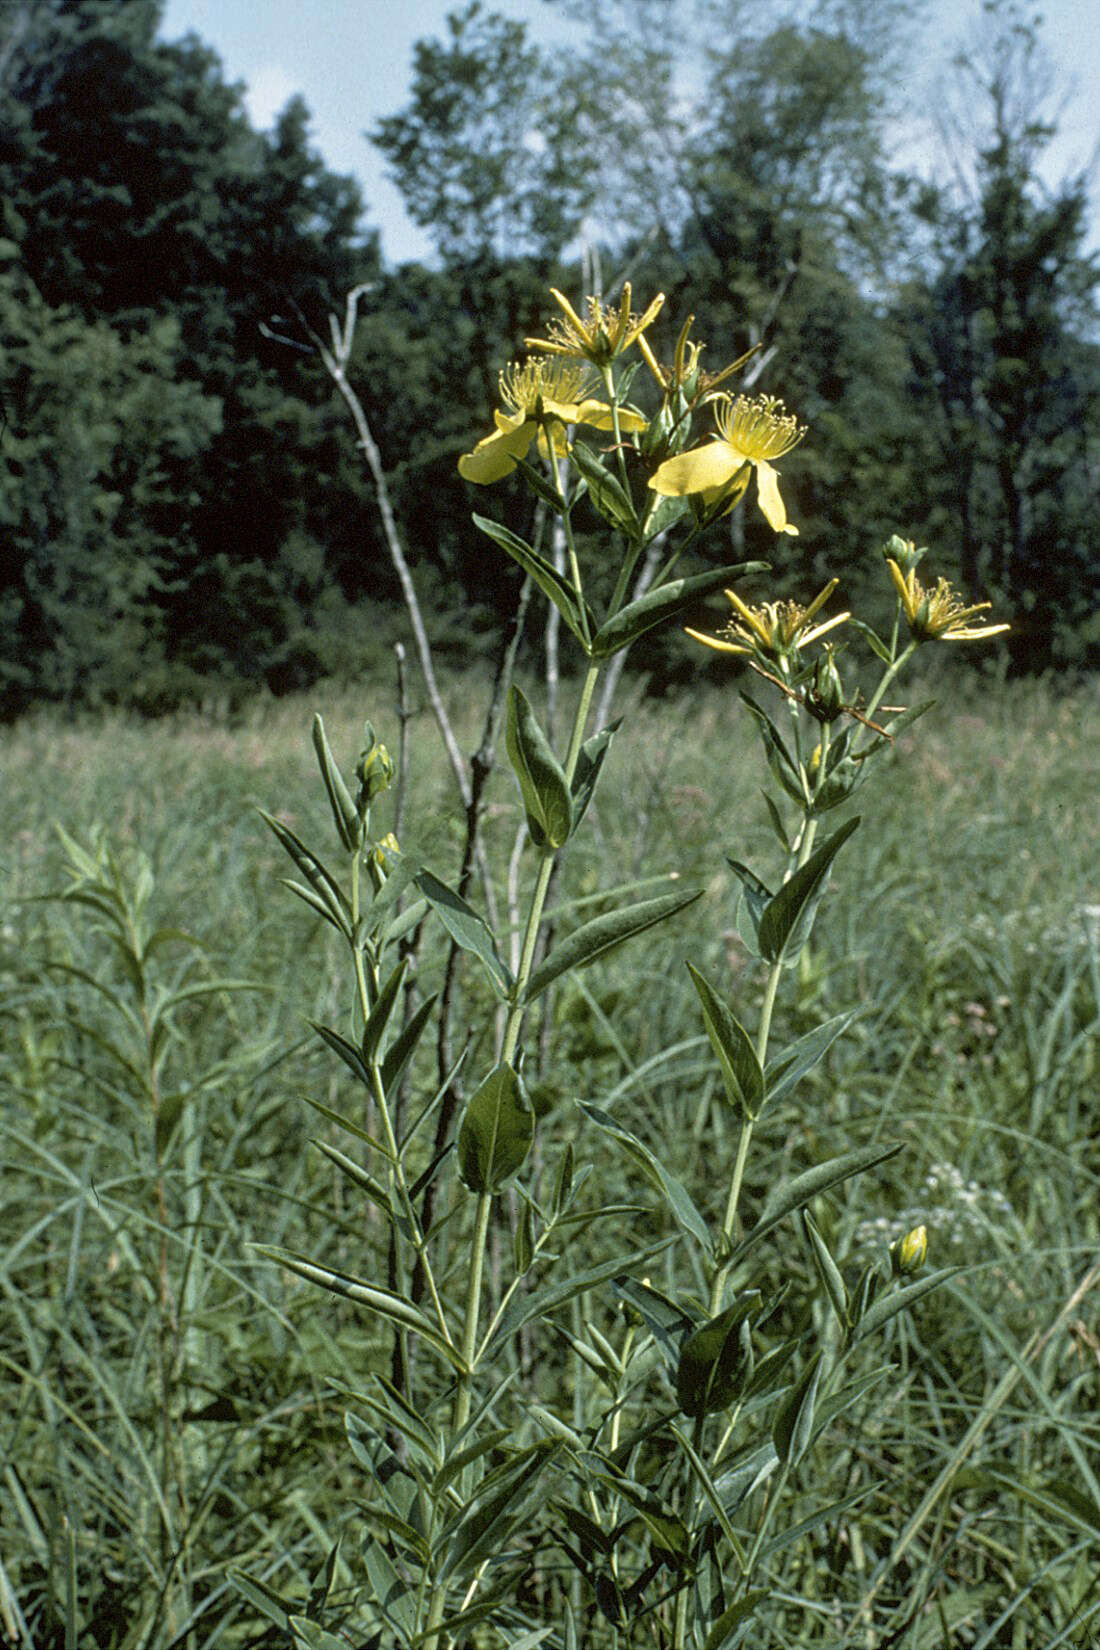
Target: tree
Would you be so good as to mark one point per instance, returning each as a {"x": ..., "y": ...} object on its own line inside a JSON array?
[
  {"x": 1006, "y": 352},
  {"x": 486, "y": 153}
]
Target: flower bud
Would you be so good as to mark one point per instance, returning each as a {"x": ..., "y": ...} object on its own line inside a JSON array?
[
  {"x": 909, "y": 1253},
  {"x": 825, "y": 695},
  {"x": 904, "y": 552},
  {"x": 374, "y": 773}
]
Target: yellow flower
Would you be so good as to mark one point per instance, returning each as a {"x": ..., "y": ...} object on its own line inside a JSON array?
[
  {"x": 939, "y": 615},
  {"x": 775, "y": 629},
  {"x": 603, "y": 333},
  {"x": 538, "y": 394},
  {"x": 752, "y": 431}
]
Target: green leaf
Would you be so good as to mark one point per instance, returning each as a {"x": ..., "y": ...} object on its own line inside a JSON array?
[
  {"x": 905, "y": 719},
  {"x": 668, "y": 1531},
  {"x": 665, "y": 602},
  {"x": 794, "y": 898},
  {"x": 573, "y": 610},
  {"x": 263, "y": 1598},
  {"x": 754, "y": 901},
  {"x": 540, "y": 486},
  {"x": 715, "y": 1359},
  {"x": 601, "y": 935},
  {"x": 776, "y": 819},
  {"x": 360, "y": 1176},
  {"x": 496, "y": 1132},
  {"x": 309, "y": 1636},
  {"x": 344, "y": 814},
  {"x": 347, "y": 1051},
  {"x": 888, "y": 1306},
  {"x": 791, "y": 1064},
  {"x": 589, "y": 762},
  {"x": 675, "y": 1194},
  {"x": 376, "y": 1299},
  {"x": 390, "y": 1594},
  {"x": 319, "y": 878},
  {"x": 497, "y": 1507},
  {"x": 1059, "y": 1500},
  {"x": 720, "y": 1636},
  {"x": 784, "y": 769},
  {"x": 793, "y": 1426},
  {"x": 608, "y": 495},
  {"x": 542, "y": 781},
  {"x": 874, "y": 641},
  {"x": 379, "y": 1017},
  {"x": 741, "y": 1073},
  {"x": 544, "y": 1301},
  {"x": 466, "y": 928},
  {"x": 827, "y": 1269},
  {"x": 796, "y": 1193},
  {"x": 456, "y": 1463},
  {"x": 401, "y": 1049}
]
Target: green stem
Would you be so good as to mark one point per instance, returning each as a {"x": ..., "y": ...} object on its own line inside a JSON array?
[
  {"x": 888, "y": 676},
  {"x": 464, "y": 1386}
]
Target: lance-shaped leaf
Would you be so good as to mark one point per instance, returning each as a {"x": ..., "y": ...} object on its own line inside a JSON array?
[
  {"x": 793, "y": 901},
  {"x": 496, "y": 1132},
  {"x": 500, "y": 1501},
  {"x": 385, "y": 1003},
  {"x": 541, "y": 487},
  {"x": 324, "y": 893},
  {"x": 544, "y": 1301},
  {"x": 608, "y": 495},
  {"x": 794, "y": 1421},
  {"x": 734, "y": 1620},
  {"x": 754, "y": 901},
  {"x": 542, "y": 781},
  {"x": 344, "y": 815},
  {"x": 791, "y": 1064},
  {"x": 383, "y": 1301},
  {"x": 675, "y": 1194},
  {"x": 796, "y": 1193},
  {"x": 466, "y": 928},
  {"x": 741, "y": 1073},
  {"x": 589, "y": 762},
  {"x": 604, "y": 934},
  {"x": 784, "y": 769},
  {"x": 401, "y": 1049},
  {"x": 665, "y": 602},
  {"x": 573, "y": 609},
  {"x": 827, "y": 1269},
  {"x": 715, "y": 1360},
  {"x": 888, "y": 1306}
]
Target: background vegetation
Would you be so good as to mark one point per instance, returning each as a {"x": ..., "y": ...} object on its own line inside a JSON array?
[
  {"x": 182, "y": 511},
  {"x": 139, "y": 1164}
]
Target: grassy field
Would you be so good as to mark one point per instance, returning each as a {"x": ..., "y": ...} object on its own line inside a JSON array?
[{"x": 173, "y": 1404}]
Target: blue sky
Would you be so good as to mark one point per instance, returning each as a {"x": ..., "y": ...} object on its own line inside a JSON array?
[{"x": 351, "y": 61}]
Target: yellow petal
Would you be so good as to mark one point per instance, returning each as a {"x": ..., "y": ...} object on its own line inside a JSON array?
[
  {"x": 767, "y": 492},
  {"x": 714, "y": 642},
  {"x": 598, "y": 414},
  {"x": 496, "y": 456},
  {"x": 700, "y": 471}
]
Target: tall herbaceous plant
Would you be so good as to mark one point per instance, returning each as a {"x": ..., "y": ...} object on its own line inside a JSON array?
[{"x": 601, "y": 1424}]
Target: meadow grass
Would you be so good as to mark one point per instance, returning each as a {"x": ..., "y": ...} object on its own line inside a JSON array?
[{"x": 130, "y": 1295}]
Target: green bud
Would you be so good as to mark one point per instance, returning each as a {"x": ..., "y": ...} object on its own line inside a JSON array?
[
  {"x": 904, "y": 552},
  {"x": 909, "y": 1253},
  {"x": 374, "y": 772},
  {"x": 825, "y": 695}
]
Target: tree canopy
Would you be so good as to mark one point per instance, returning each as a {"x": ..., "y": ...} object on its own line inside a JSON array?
[{"x": 181, "y": 501}]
